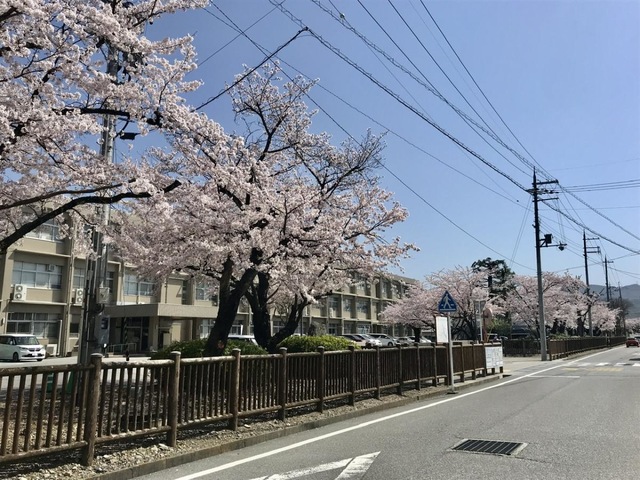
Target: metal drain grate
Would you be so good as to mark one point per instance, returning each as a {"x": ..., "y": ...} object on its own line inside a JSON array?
[{"x": 490, "y": 446}]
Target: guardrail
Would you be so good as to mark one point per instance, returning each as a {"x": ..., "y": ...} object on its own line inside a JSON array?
[{"x": 56, "y": 408}]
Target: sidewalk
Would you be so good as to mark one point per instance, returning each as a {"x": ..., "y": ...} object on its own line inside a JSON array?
[{"x": 513, "y": 364}]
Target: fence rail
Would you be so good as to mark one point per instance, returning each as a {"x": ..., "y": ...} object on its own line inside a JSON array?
[
  {"x": 57, "y": 408},
  {"x": 558, "y": 348}
]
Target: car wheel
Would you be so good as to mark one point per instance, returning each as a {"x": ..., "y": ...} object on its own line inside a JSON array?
[
  {"x": 15, "y": 357},
  {"x": 40, "y": 359}
]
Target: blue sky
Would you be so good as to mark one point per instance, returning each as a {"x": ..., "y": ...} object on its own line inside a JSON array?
[{"x": 562, "y": 75}]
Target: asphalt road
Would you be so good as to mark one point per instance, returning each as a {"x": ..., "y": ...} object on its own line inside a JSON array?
[{"x": 570, "y": 419}]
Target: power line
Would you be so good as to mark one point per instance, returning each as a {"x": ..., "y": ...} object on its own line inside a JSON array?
[
  {"x": 399, "y": 99},
  {"x": 382, "y": 165}
]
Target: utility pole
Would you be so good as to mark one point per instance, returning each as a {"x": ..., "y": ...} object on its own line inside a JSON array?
[
  {"x": 606, "y": 278},
  {"x": 93, "y": 325},
  {"x": 586, "y": 271},
  {"x": 541, "y": 242},
  {"x": 624, "y": 317}
]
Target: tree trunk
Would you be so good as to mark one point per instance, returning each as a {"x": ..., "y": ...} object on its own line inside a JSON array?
[
  {"x": 230, "y": 295},
  {"x": 293, "y": 320},
  {"x": 258, "y": 297}
]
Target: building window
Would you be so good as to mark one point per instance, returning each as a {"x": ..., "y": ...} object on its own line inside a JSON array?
[
  {"x": 74, "y": 326},
  {"x": 38, "y": 324},
  {"x": 49, "y": 231},
  {"x": 110, "y": 281},
  {"x": 207, "y": 290},
  {"x": 39, "y": 275},
  {"x": 79, "y": 278},
  {"x": 346, "y": 304},
  {"x": 366, "y": 329},
  {"x": 134, "y": 285},
  {"x": 362, "y": 306},
  {"x": 334, "y": 306},
  {"x": 332, "y": 328}
]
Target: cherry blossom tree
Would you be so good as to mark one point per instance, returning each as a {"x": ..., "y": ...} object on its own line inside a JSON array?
[
  {"x": 565, "y": 302},
  {"x": 420, "y": 306},
  {"x": 417, "y": 309},
  {"x": 604, "y": 318},
  {"x": 75, "y": 75},
  {"x": 278, "y": 211}
]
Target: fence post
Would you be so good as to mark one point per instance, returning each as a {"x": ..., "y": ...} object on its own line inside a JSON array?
[
  {"x": 418, "y": 366},
  {"x": 378, "y": 373},
  {"x": 400, "y": 382},
  {"x": 352, "y": 376},
  {"x": 282, "y": 385},
  {"x": 321, "y": 380},
  {"x": 473, "y": 358},
  {"x": 174, "y": 381},
  {"x": 462, "y": 366},
  {"x": 234, "y": 399},
  {"x": 435, "y": 364},
  {"x": 91, "y": 419}
]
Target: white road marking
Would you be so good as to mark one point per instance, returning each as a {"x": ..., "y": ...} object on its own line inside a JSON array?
[
  {"x": 319, "y": 438},
  {"x": 358, "y": 467},
  {"x": 307, "y": 471}
]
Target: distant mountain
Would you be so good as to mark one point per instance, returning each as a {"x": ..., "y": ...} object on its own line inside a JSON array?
[{"x": 630, "y": 293}]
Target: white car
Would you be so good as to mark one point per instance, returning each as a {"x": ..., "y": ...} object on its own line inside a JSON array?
[
  {"x": 387, "y": 341},
  {"x": 17, "y": 347},
  {"x": 372, "y": 342}
]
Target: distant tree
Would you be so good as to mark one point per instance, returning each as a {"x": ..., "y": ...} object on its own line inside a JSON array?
[
  {"x": 622, "y": 306},
  {"x": 604, "y": 318},
  {"x": 416, "y": 309},
  {"x": 498, "y": 275},
  {"x": 420, "y": 306},
  {"x": 564, "y": 301}
]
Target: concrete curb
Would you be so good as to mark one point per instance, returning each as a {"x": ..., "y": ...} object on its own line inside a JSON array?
[{"x": 181, "y": 459}]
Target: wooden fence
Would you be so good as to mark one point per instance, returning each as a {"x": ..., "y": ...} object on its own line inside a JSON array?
[
  {"x": 558, "y": 348},
  {"x": 55, "y": 408}
]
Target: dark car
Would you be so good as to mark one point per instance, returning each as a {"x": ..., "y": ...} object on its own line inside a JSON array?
[{"x": 633, "y": 342}]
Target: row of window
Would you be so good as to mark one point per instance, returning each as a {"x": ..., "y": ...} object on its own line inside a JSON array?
[
  {"x": 39, "y": 324},
  {"x": 49, "y": 276}
]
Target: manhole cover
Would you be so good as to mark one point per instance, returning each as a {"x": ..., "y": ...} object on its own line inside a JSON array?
[{"x": 489, "y": 446}]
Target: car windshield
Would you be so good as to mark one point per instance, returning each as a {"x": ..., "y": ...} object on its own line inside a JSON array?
[{"x": 27, "y": 341}]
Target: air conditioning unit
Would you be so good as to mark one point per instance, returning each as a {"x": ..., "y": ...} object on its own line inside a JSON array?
[
  {"x": 52, "y": 349},
  {"x": 51, "y": 268},
  {"x": 19, "y": 293},
  {"x": 79, "y": 296}
]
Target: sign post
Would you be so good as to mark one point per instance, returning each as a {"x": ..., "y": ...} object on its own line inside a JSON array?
[{"x": 448, "y": 305}]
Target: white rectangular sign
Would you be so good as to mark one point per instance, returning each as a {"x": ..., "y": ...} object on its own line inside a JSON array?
[
  {"x": 493, "y": 357},
  {"x": 442, "y": 330}
]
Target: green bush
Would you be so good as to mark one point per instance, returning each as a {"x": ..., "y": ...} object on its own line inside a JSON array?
[
  {"x": 188, "y": 349},
  {"x": 296, "y": 344},
  {"x": 195, "y": 348},
  {"x": 246, "y": 348}
]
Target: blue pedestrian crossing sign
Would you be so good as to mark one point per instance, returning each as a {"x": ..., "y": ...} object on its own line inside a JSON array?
[{"x": 447, "y": 304}]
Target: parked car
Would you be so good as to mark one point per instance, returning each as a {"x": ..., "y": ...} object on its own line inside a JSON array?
[
  {"x": 387, "y": 341},
  {"x": 243, "y": 338},
  {"x": 21, "y": 346},
  {"x": 357, "y": 339},
  {"x": 405, "y": 340},
  {"x": 371, "y": 341},
  {"x": 633, "y": 342}
]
